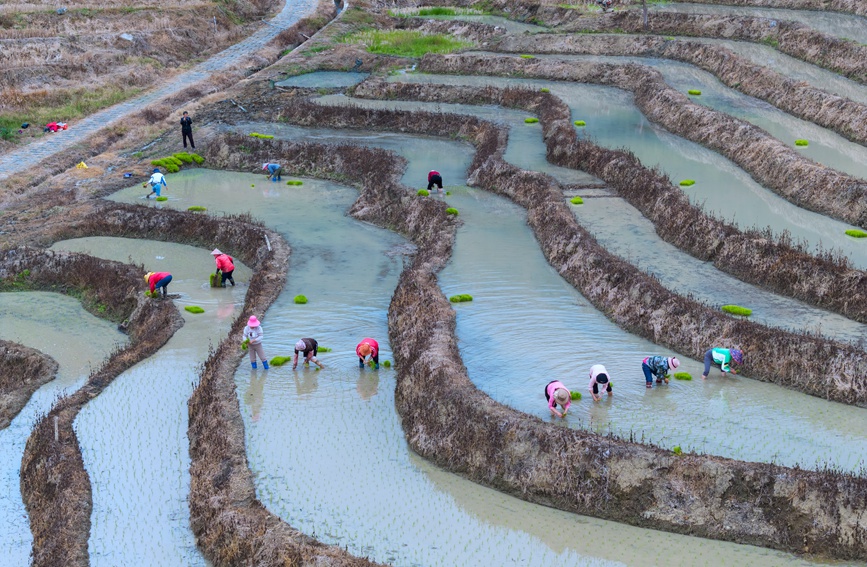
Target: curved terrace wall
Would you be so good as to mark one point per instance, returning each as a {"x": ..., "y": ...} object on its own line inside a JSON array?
[
  {"x": 845, "y": 6},
  {"x": 22, "y": 371}
]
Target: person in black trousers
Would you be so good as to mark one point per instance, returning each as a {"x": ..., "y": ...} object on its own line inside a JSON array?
[{"x": 187, "y": 129}]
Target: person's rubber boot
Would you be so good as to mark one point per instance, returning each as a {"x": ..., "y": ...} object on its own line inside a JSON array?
[
  {"x": 376, "y": 366},
  {"x": 265, "y": 364},
  {"x": 360, "y": 363},
  {"x": 253, "y": 364}
]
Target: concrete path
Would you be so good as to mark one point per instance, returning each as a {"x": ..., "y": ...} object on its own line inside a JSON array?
[{"x": 30, "y": 155}]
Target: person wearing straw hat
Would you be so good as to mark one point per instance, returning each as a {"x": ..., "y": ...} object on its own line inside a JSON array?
[
  {"x": 309, "y": 348},
  {"x": 157, "y": 181},
  {"x": 658, "y": 366},
  {"x": 368, "y": 347},
  {"x": 274, "y": 171},
  {"x": 557, "y": 393},
  {"x": 158, "y": 280},
  {"x": 253, "y": 331},
  {"x": 599, "y": 379},
  {"x": 225, "y": 267},
  {"x": 722, "y": 358}
]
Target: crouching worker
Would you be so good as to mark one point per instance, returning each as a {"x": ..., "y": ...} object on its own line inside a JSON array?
[
  {"x": 368, "y": 347},
  {"x": 658, "y": 366},
  {"x": 722, "y": 358},
  {"x": 309, "y": 348},
  {"x": 158, "y": 280},
  {"x": 253, "y": 331},
  {"x": 557, "y": 393},
  {"x": 599, "y": 380},
  {"x": 273, "y": 171},
  {"x": 224, "y": 265},
  {"x": 434, "y": 178}
]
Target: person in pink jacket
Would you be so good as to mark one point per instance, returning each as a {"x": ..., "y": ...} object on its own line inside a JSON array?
[
  {"x": 225, "y": 265},
  {"x": 158, "y": 280},
  {"x": 599, "y": 380},
  {"x": 557, "y": 393},
  {"x": 368, "y": 347}
]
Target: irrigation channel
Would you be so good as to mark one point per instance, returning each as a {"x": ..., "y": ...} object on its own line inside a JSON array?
[
  {"x": 307, "y": 431},
  {"x": 133, "y": 436},
  {"x": 56, "y": 325}
]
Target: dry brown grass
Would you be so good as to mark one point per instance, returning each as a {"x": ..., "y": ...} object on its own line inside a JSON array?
[{"x": 22, "y": 371}]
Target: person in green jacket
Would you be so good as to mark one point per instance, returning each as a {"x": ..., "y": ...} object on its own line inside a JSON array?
[{"x": 723, "y": 358}]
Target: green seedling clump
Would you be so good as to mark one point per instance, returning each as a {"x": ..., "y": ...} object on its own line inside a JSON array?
[
  {"x": 294, "y": 182},
  {"x": 215, "y": 280},
  {"x": 856, "y": 233},
  {"x": 252, "y": 184},
  {"x": 677, "y": 450},
  {"x": 162, "y": 199},
  {"x": 531, "y": 120},
  {"x": 150, "y": 293},
  {"x": 301, "y": 299},
  {"x": 387, "y": 364},
  {"x": 448, "y": 193},
  {"x": 245, "y": 345},
  {"x": 576, "y": 200},
  {"x": 461, "y": 298},
  {"x": 687, "y": 182},
  {"x": 452, "y": 211},
  {"x": 737, "y": 310},
  {"x": 194, "y": 309},
  {"x": 422, "y": 193},
  {"x": 694, "y": 92},
  {"x": 527, "y": 56},
  {"x": 324, "y": 349},
  {"x": 280, "y": 360},
  {"x": 197, "y": 209},
  {"x": 682, "y": 376},
  {"x": 580, "y": 123},
  {"x": 262, "y": 136},
  {"x": 576, "y": 395},
  {"x": 802, "y": 143},
  {"x": 544, "y": 90}
]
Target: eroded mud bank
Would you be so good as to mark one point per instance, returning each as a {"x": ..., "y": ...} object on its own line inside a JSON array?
[
  {"x": 22, "y": 371},
  {"x": 846, "y": 6}
]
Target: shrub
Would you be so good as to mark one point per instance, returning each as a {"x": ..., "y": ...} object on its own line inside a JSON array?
[
  {"x": 422, "y": 192},
  {"x": 580, "y": 123},
  {"x": 461, "y": 298},
  {"x": 531, "y": 120},
  {"x": 856, "y": 233},
  {"x": 687, "y": 182},
  {"x": 300, "y": 299},
  {"x": 452, "y": 211},
  {"x": 194, "y": 309},
  {"x": 162, "y": 199},
  {"x": 694, "y": 92},
  {"x": 737, "y": 310},
  {"x": 280, "y": 360},
  {"x": 682, "y": 376},
  {"x": 576, "y": 395},
  {"x": 197, "y": 209},
  {"x": 576, "y": 200},
  {"x": 294, "y": 182},
  {"x": 387, "y": 364},
  {"x": 802, "y": 143}
]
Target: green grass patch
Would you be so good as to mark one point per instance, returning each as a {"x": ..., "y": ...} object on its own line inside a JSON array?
[
  {"x": 694, "y": 92},
  {"x": 452, "y": 211},
  {"x": 580, "y": 123},
  {"x": 682, "y": 376},
  {"x": 161, "y": 199},
  {"x": 194, "y": 309},
  {"x": 461, "y": 298},
  {"x": 422, "y": 193},
  {"x": 197, "y": 209},
  {"x": 576, "y": 200},
  {"x": 294, "y": 182},
  {"x": 737, "y": 310},
  {"x": 855, "y": 233},
  {"x": 261, "y": 136},
  {"x": 531, "y": 120},
  {"x": 300, "y": 299},
  {"x": 405, "y": 43},
  {"x": 280, "y": 360},
  {"x": 687, "y": 182},
  {"x": 802, "y": 143},
  {"x": 437, "y": 11},
  {"x": 576, "y": 395}
]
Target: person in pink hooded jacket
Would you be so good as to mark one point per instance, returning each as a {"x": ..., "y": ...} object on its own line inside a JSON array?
[
  {"x": 368, "y": 347},
  {"x": 599, "y": 380},
  {"x": 224, "y": 265}
]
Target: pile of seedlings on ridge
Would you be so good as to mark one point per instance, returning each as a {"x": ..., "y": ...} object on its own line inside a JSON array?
[
  {"x": 777, "y": 264},
  {"x": 22, "y": 371}
]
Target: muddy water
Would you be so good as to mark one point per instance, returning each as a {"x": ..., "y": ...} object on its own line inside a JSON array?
[
  {"x": 721, "y": 187},
  {"x": 323, "y": 79},
  {"x": 844, "y": 26},
  {"x": 720, "y": 416},
  {"x": 326, "y": 447},
  {"x": 58, "y": 326},
  {"x": 133, "y": 436}
]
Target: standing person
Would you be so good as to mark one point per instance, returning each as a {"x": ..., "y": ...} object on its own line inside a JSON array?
[
  {"x": 599, "y": 379},
  {"x": 224, "y": 265},
  {"x": 254, "y": 332},
  {"x": 368, "y": 347},
  {"x": 275, "y": 172},
  {"x": 434, "y": 178},
  {"x": 309, "y": 348},
  {"x": 187, "y": 129},
  {"x": 658, "y": 366},
  {"x": 157, "y": 181},
  {"x": 557, "y": 393},
  {"x": 158, "y": 280},
  {"x": 723, "y": 358}
]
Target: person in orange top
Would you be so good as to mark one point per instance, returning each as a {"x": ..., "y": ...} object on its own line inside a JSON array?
[
  {"x": 158, "y": 280},
  {"x": 368, "y": 347},
  {"x": 225, "y": 265}
]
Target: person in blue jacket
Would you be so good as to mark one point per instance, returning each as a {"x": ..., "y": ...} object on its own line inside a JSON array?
[
  {"x": 274, "y": 171},
  {"x": 658, "y": 366}
]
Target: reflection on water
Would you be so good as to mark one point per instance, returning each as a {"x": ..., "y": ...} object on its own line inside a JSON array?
[{"x": 56, "y": 325}]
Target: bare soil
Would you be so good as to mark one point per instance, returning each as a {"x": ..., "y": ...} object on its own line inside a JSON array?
[{"x": 22, "y": 371}]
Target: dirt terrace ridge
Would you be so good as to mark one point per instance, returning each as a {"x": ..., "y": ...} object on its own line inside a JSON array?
[
  {"x": 22, "y": 371},
  {"x": 857, "y": 7}
]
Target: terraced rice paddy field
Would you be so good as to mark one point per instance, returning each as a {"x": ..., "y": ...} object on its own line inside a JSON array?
[{"x": 610, "y": 183}]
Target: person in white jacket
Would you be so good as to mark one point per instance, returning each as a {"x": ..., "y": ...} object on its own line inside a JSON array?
[
  {"x": 157, "y": 181},
  {"x": 599, "y": 380},
  {"x": 253, "y": 332}
]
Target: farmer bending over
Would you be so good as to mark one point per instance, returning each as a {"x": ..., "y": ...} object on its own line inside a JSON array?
[
  {"x": 599, "y": 379},
  {"x": 309, "y": 348}
]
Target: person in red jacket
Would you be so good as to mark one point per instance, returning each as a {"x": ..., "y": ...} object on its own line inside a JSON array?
[
  {"x": 434, "y": 178},
  {"x": 225, "y": 265},
  {"x": 368, "y": 347},
  {"x": 158, "y": 280}
]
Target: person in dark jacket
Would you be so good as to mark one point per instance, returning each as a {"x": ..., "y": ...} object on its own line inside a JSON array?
[
  {"x": 187, "y": 129},
  {"x": 434, "y": 178},
  {"x": 658, "y": 366},
  {"x": 309, "y": 348}
]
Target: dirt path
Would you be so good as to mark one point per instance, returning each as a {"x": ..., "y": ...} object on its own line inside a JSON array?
[{"x": 31, "y": 154}]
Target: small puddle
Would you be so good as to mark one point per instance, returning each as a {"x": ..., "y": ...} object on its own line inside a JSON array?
[
  {"x": 56, "y": 325},
  {"x": 323, "y": 79}
]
